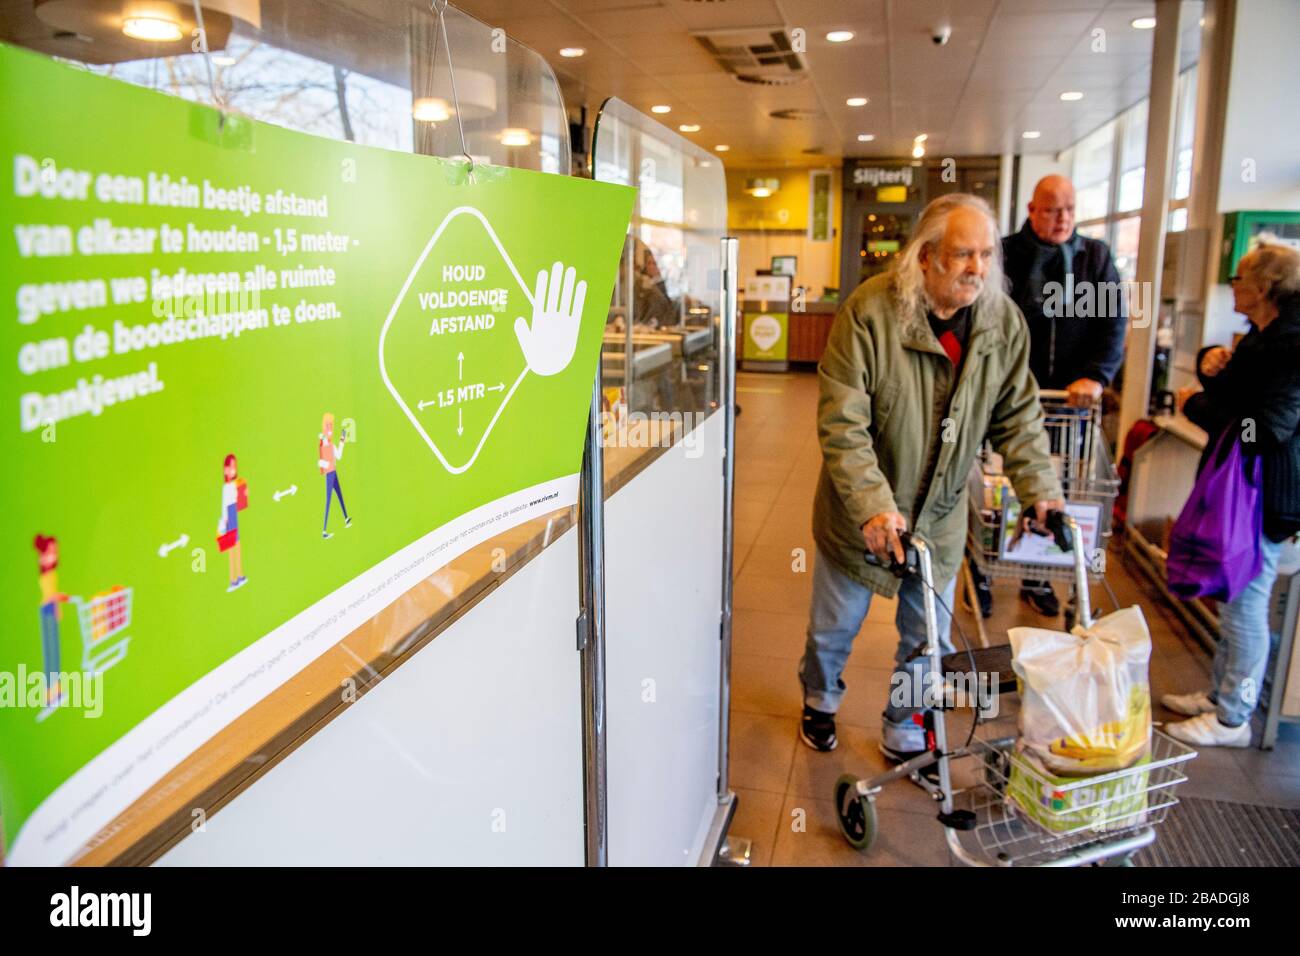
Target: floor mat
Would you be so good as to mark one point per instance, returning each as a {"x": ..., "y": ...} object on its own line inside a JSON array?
[{"x": 1200, "y": 832}]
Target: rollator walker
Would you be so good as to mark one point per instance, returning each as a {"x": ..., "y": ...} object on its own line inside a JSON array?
[{"x": 1102, "y": 819}]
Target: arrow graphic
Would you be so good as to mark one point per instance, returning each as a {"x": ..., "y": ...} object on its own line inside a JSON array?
[
  {"x": 460, "y": 421},
  {"x": 423, "y": 405},
  {"x": 499, "y": 387},
  {"x": 180, "y": 542},
  {"x": 291, "y": 490},
  {"x": 460, "y": 365}
]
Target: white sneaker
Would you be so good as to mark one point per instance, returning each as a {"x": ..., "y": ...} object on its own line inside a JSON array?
[
  {"x": 1206, "y": 731},
  {"x": 1189, "y": 705}
]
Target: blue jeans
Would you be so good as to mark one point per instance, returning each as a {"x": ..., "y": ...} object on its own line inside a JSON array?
[
  {"x": 332, "y": 487},
  {"x": 839, "y": 606},
  {"x": 50, "y": 640},
  {"x": 1244, "y": 643}
]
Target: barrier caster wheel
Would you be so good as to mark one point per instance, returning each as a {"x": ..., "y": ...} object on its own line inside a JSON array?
[{"x": 856, "y": 814}]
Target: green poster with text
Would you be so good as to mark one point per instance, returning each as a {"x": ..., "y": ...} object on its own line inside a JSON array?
[{"x": 260, "y": 385}]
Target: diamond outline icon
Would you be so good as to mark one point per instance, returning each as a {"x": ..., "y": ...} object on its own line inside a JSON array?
[{"x": 401, "y": 297}]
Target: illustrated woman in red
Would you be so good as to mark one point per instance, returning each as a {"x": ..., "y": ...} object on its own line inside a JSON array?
[
  {"x": 228, "y": 526},
  {"x": 51, "y": 612}
]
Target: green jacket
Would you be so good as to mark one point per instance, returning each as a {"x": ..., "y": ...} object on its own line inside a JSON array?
[{"x": 885, "y": 381}]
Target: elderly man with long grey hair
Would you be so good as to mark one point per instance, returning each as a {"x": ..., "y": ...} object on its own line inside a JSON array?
[{"x": 922, "y": 363}]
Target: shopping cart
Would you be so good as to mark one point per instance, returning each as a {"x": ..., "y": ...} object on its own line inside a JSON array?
[
  {"x": 1083, "y": 464},
  {"x": 103, "y": 617},
  {"x": 1006, "y": 813}
]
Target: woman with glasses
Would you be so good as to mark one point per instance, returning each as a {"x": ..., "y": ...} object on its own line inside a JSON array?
[{"x": 1255, "y": 388}]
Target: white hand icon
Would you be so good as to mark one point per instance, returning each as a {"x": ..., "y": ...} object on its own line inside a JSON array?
[{"x": 548, "y": 346}]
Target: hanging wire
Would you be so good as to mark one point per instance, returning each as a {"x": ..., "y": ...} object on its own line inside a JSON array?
[
  {"x": 207, "y": 60},
  {"x": 440, "y": 7}
]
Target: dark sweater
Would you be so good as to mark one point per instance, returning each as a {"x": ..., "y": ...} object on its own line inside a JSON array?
[
  {"x": 1261, "y": 385},
  {"x": 1066, "y": 347}
]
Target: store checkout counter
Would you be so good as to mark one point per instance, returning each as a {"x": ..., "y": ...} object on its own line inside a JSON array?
[
  {"x": 664, "y": 360},
  {"x": 1161, "y": 478}
]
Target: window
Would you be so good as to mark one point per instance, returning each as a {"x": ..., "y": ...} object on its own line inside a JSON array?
[{"x": 1116, "y": 153}]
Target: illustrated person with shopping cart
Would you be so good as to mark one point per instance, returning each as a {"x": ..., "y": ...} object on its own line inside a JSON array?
[
  {"x": 922, "y": 363},
  {"x": 328, "y": 457},
  {"x": 52, "y": 599},
  {"x": 1071, "y": 348},
  {"x": 234, "y": 498}
]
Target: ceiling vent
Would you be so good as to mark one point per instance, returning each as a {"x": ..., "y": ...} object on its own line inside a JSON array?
[
  {"x": 795, "y": 114},
  {"x": 759, "y": 55}
]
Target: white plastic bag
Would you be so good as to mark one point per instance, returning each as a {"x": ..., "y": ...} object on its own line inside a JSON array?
[{"x": 1085, "y": 699}]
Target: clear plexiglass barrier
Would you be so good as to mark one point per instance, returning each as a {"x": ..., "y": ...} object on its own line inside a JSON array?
[
  {"x": 662, "y": 339},
  {"x": 394, "y": 777}
]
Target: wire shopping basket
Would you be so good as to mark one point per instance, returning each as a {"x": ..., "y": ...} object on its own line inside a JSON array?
[
  {"x": 103, "y": 618},
  {"x": 998, "y": 543}
]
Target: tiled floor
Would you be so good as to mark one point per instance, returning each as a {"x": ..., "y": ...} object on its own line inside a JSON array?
[{"x": 785, "y": 787}]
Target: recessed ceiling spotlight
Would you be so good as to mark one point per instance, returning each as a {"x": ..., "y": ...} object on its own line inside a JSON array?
[
  {"x": 722, "y": 148},
  {"x": 918, "y": 151},
  {"x": 920, "y": 137},
  {"x": 571, "y": 52},
  {"x": 689, "y": 127},
  {"x": 866, "y": 137},
  {"x": 1031, "y": 134},
  {"x": 661, "y": 109},
  {"x": 1144, "y": 23},
  {"x": 857, "y": 101},
  {"x": 1071, "y": 95},
  {"x": 840, "y": 36}
]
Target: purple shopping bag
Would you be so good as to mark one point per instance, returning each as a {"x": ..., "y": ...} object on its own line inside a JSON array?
[{"x": 1214, "y": 547}]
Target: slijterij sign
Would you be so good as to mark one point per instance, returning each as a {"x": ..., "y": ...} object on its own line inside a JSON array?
[{"x": 260, "y": 384}]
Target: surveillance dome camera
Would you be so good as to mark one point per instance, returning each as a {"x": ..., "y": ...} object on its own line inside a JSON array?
[{"x": 940, "y": 35}]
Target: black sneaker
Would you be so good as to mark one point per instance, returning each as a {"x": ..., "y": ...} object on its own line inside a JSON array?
[
  {"x": 817, "y": 730},
  {"x": 1041, "y": 597},
  {"x": 930, "y": 773}
]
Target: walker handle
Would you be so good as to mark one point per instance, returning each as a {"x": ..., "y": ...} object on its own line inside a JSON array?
[{"x": 911, "y": 563}]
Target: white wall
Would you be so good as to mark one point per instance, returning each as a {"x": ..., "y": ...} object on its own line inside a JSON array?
[
  {"x": 663, "y": 557},
  {"x": 469, "y": 754},
  {"x": 1261, "y": 119}
]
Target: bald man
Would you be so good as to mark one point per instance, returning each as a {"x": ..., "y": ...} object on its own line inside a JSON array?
[{"x": 1067, "y": 287}]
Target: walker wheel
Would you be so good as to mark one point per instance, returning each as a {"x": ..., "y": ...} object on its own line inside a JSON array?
[{"x": 856, "y": 814}]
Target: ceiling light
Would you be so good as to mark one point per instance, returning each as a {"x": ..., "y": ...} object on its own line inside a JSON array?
[
  {"x": 1144, "y": 23},
  {"x": 722, "y": 148},
  {"x": 571, "y": 52},
  {"x": 428, "y": 109},
  {"x": 857, "y": 101},
  {"x": 1031, "y": 134},
  {"x": 661, "y": 109},
  {"x": 840, "y": 36},
  {"x": 762, "y": 188},
  {"x": 689, "y": 127},
  {"x": 866, "y": 137},
  {"x": 920, "y": 137},
  {"x": 153, "y": 29},
  {"x": 918, "y": 151},
  {"x": 1071, "y": 95},
  {"x": 512, "y": 136}
]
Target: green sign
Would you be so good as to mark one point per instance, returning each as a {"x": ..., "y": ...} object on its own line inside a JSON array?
[
  {"x": 260, "y": 385},
  {"x": 819, "y": 211},
  {"x": 766, "y": 336}
]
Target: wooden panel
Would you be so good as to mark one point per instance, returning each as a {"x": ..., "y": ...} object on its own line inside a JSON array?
[{"x": 808, "y": 334}]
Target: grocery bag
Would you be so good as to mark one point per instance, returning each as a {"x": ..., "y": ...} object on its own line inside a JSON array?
[
  {"x": 1214, "y": 548},
  {"x": 1085, "y": 699}
]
